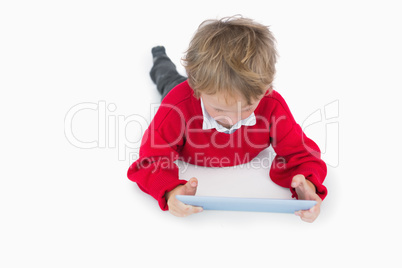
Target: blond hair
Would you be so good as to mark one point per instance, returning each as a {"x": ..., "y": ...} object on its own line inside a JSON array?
[{"x": 234, "y": 56}]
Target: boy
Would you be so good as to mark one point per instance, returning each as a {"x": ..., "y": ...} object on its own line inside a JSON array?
[{"x": 224, "y": 114}]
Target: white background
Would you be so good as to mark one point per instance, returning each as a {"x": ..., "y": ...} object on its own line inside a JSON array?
[{"x": 65, "y": 206}]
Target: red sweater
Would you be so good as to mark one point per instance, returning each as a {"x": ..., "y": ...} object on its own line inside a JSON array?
[{"x": 176, "y": 133}]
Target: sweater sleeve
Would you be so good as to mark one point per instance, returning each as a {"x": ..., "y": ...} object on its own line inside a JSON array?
[
  {"x": 155, "y": 171},
  {"x": 296, "y": 153}
]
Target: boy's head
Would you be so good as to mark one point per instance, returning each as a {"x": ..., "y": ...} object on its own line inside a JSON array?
[{"x": 233, "y": 57}]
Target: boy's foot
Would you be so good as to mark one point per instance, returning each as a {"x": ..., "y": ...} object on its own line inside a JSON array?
[{"x": 157, "y": 52}]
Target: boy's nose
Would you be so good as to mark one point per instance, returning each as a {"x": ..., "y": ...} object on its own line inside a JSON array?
[
  {"x": 234, "y": 121},
  {"x": 228, "y": 121}
]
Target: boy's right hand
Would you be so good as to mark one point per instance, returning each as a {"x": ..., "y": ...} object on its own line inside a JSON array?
[{"x": 177, "y": 207}]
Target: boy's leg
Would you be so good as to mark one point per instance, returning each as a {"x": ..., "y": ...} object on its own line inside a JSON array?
[{"x": 163, "y": 72}]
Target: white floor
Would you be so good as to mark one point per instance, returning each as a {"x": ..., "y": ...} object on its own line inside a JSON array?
[{"x": 76, "y": 97}]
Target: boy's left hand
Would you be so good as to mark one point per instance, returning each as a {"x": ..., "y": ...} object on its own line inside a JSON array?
[{"x": 305, "y": 190}]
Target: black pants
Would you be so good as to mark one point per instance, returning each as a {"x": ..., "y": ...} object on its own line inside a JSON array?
[{"x": 164, "y": 74}]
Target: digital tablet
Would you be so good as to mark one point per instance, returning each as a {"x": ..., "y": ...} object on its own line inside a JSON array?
[{"x": 247, "y": 204}]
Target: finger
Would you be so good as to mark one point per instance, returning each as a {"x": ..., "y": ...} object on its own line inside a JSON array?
[
  {"x": 193, "y": 182},
  {"x": 307, "y": 215},
  {"x": 191, "y": 187},
  {"x": 177, "y": 209},
  {"x": 298, "y": 213},
  {"x": 301, "y": 214},
  {"x": 183, "y": 210},
  {"x": 297, "y": 181},
  {"x": 314, "y": 209},
  {"x": 192, "y": 210},
  {"x": 186, "y": 211}
]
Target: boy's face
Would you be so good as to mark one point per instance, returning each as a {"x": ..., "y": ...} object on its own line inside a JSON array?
[{"x": 227, "y": 112}]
